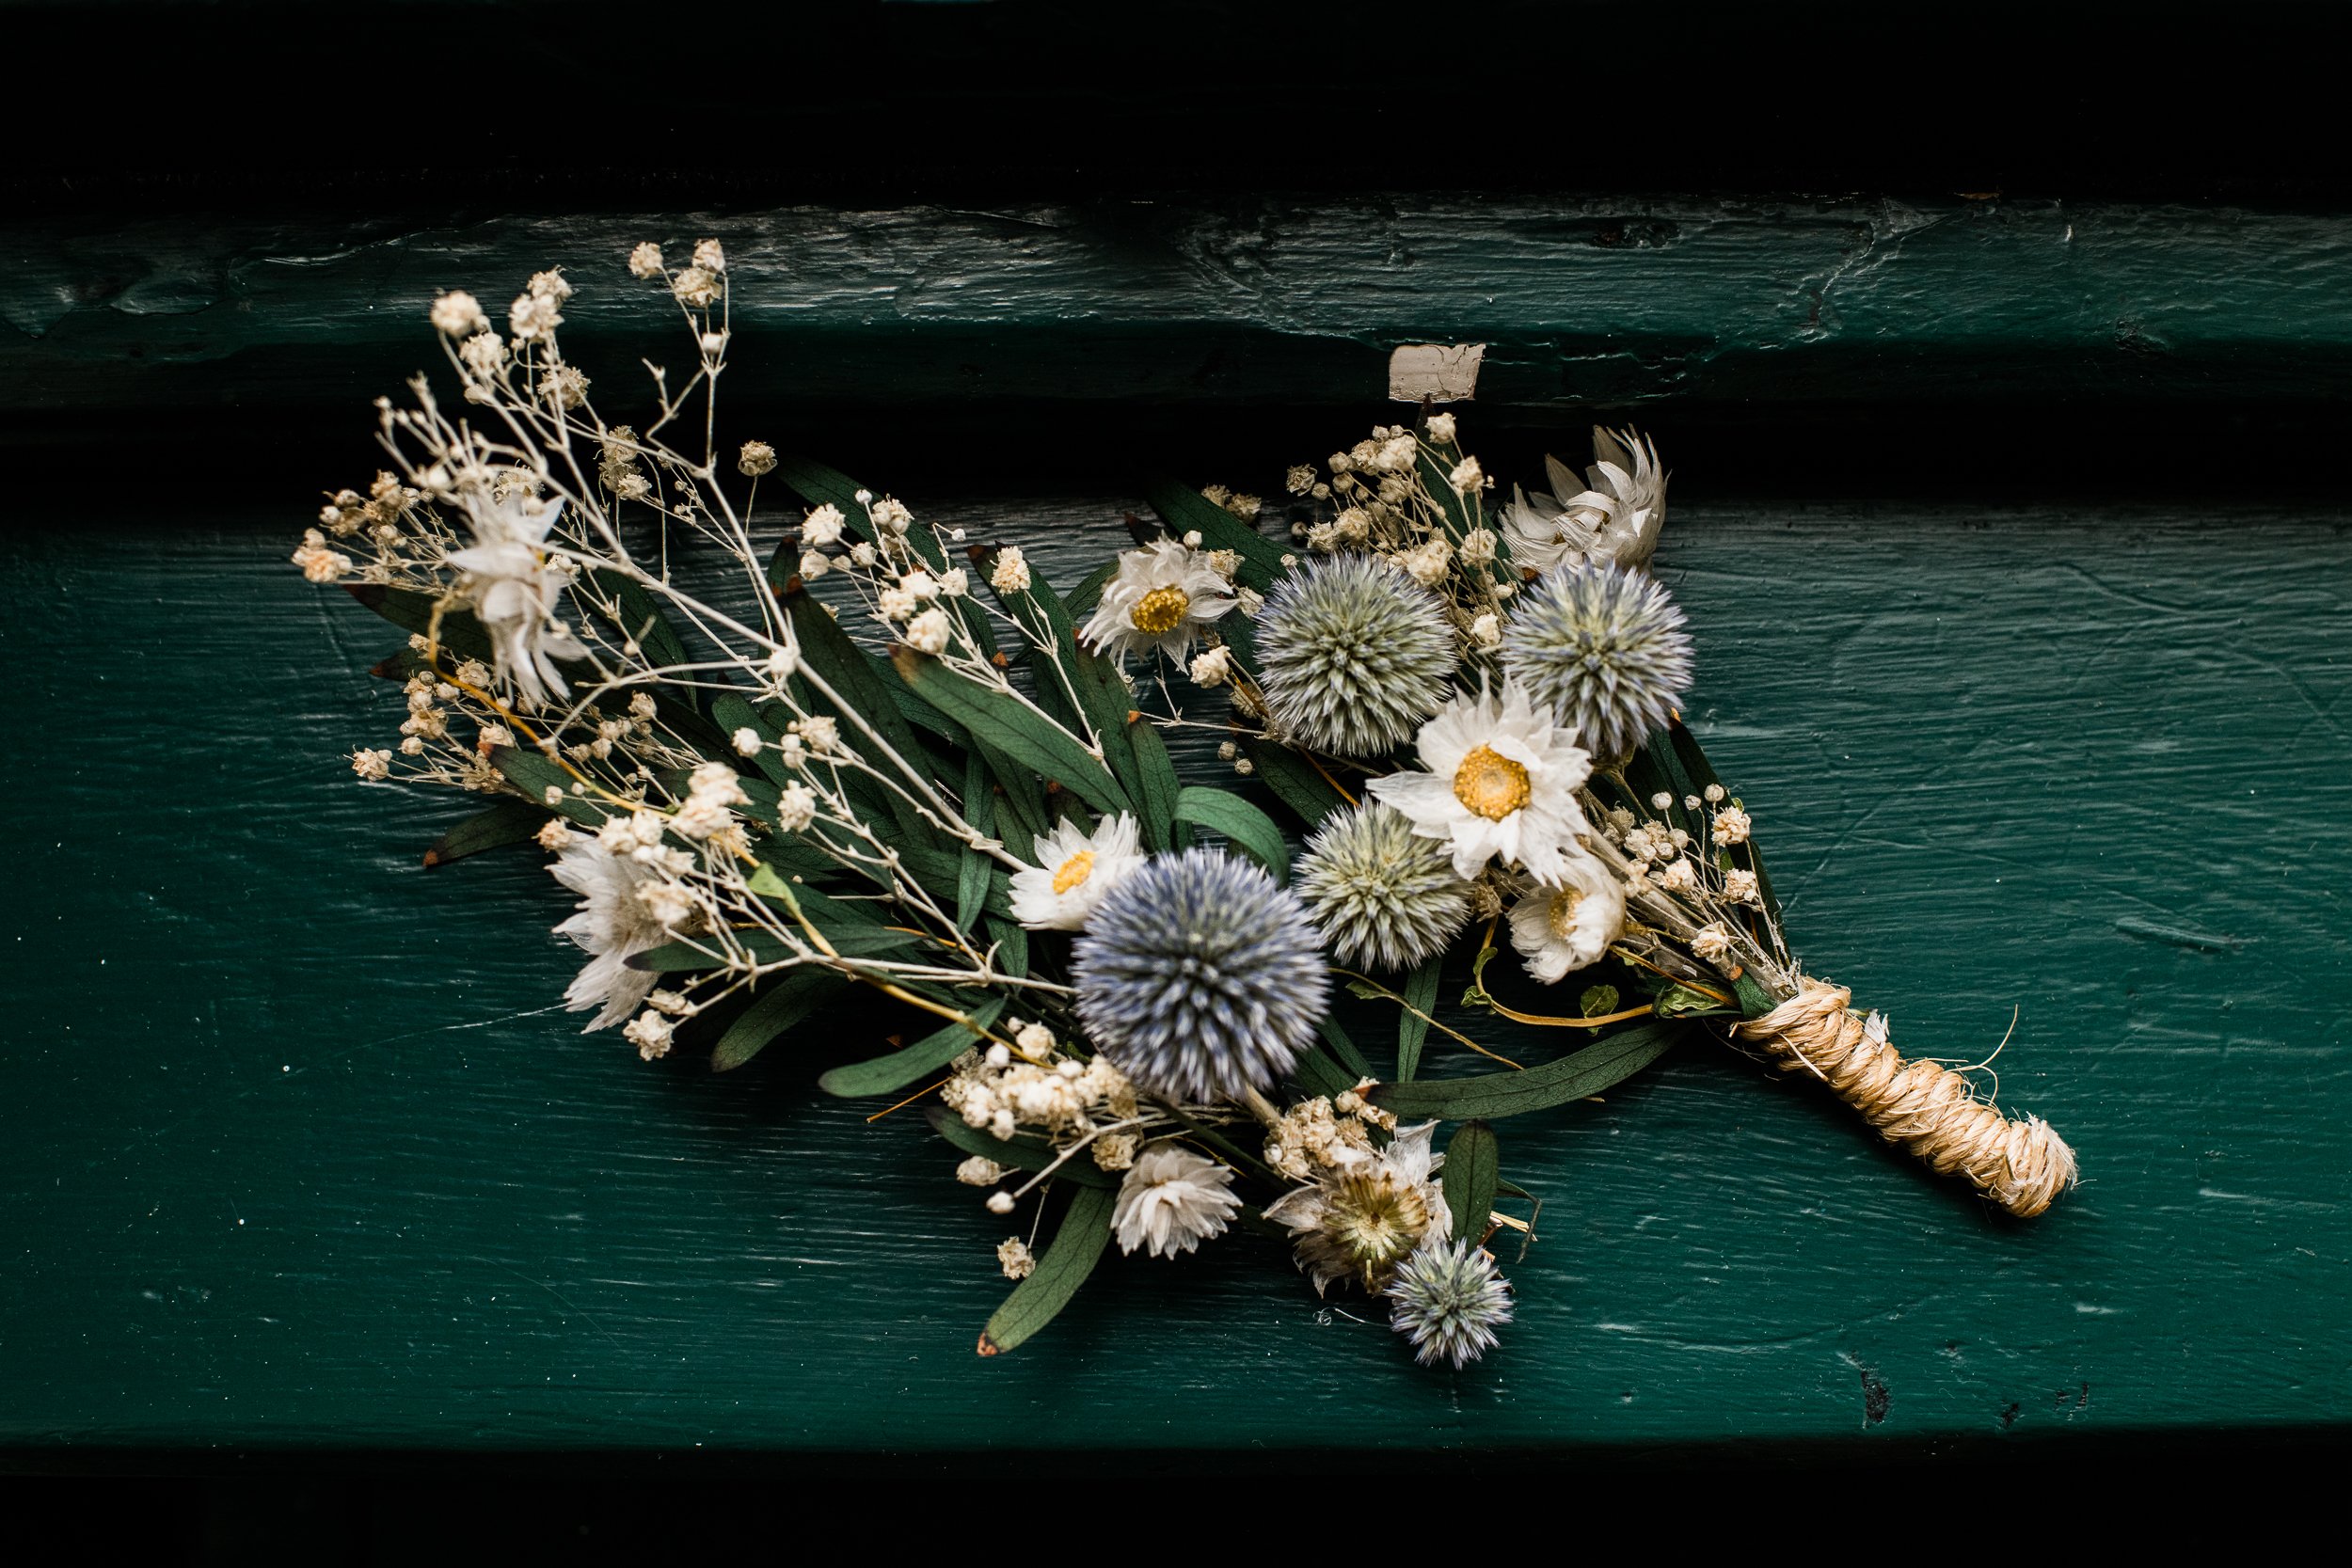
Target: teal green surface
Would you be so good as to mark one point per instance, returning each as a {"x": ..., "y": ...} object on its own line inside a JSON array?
[{"x": 301, "y": 1148}]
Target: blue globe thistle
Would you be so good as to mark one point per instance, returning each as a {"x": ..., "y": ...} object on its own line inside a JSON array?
[
  {"x": 1605, "y": 649},
  {"x": 1200, "y": 977},
  {"x": 1448, "y": 1299},
  {"x": 1381, "y": 893},
  {"x": 1354, "y": 654}
]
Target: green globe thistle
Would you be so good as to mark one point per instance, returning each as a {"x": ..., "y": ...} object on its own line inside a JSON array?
[
  {"x": 1354, "y": 654},
  {"x": 1604, "y": 648},
  {"x": 1448, "y": 1299},
  {"x": 1382, "y": 895}
]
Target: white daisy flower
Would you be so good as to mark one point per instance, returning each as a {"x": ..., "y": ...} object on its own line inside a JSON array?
[
  {"x": 613, "y": 923},
  {"x": 1162, "y": 596},
  {"x": 515, "y": 589},
  {"x": 1611, "y": 517},
  {"x": 1500, "y": 783},
  {"x": 1559, "y": 929},
  {"x": 1172, "y": 1201},
  {"x": 1074, "y": 871}
]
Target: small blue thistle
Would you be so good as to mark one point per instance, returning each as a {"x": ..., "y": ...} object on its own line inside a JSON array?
[
  {"x": 1383, "y": 895},
  {"x": 1354, "y": 654},
  {"x": 1200, "y": 977},
  {"x": 1448, "y": 1299},
  {"x": 1604, "y": 648}
]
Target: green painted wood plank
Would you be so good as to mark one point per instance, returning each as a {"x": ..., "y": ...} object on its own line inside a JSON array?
[
  {"x": 1260, "y": 301},
  {"x": 304, "y": 1151}
]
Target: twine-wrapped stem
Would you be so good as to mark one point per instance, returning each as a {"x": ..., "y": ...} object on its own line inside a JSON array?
[{"x": 1927, "y": 1109}]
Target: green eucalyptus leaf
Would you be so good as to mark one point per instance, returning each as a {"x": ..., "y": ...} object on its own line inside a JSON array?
[
  {"x": 1343, "y": 1048},
  {"x": 1413, "y": 1029},
  {"x": 1250, "y": 830},
  {"x": 1609, "y": 1060},
  {"x": 536, "y": 774},
  {"x": 800, "y": 992},
  {"x": 1024, "y": 1151},
  {"x": 508, "y": 822},
  {"x": 1020, "y": 732},
  {"x": 889, "y": 1074},
  {"x": 459, "y": 634},
  {"x": 1293, "y": 780},
  {"x": 1086, "y": 1228},
  {"x": 1473, "y": 1175}
]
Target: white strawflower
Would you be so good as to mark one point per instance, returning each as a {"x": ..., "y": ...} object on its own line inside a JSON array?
[
  {"x": 613, "y": 923},
  {"x": 1171, "y": 1200},
  {"x": 1497, "y": 780},
  {"x": 1564, "y": 928},
  {"x": 515, "y": 589},
  {"x": 1163, "y": 595},
  {"x": 458, "y": 314},
  {"x": 1075, "y": 871},
  {"x": 1611, "y": 517},
  {"x": 1365, "y": 1216},
  {"x": 928, "y": 632}
]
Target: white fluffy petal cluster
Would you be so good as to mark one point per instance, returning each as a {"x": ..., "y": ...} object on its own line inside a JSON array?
[
  {"x": 1076, "y": 872},
  {"x": 1610, "y": 518},
  {"x": 1498, "y": 780},
  {"x": 515, "y": 590},
  {"x": 1161, "y": 597},
  {"x": 1172, "y": 1201},
  {"x": 615, "y": 923},
  {"x": 1564, "y": 928}
]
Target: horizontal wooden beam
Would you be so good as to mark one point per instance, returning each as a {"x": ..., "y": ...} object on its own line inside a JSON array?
[{"x": 1246, "y": 301}]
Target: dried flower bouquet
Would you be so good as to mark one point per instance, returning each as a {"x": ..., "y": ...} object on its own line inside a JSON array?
[{"x": 877, "y": 757}]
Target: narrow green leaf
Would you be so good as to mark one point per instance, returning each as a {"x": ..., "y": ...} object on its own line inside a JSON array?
[
  {"x": 1024, "y": 1152},
  {"x": 1251, "y": 831},
  {"x": 1022, "y": 733},
  {"x": 1610, "y": 1060},
  {"x": 800, "y": 992},
  {"x": 1293, "y": 781},
  {"x": 1012, "y": 945},
  {"x": 638, "y": 617},
  {"x": 1317, "y": 1073},
  {"x": 891, "y": 1073},
  {"x": 1185, "y": 510},
  {"x": 1343, "y": 1048},
  {"x": 1039, "y": 1299},
  {"x": 972, "y": 867},
  {"x": 1473, "y": 1174},
  {"x": 1420, "y": 990},
  {"x": 508, "y": 822},
  {"x": 1156, "y": 788}
]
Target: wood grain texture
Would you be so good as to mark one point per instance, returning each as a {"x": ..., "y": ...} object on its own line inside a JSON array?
[
  {"x": 1246, "y": 300},
  {"x": 301, "y": 1151}
]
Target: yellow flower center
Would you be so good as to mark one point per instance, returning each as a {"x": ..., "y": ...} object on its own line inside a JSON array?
[
  {"x": 1074, "y": 870},
  {"x": 1376, "y": 1223},
  {"x": 1161, "y": 610},
  {"x": 1490, "y": 784},
  {"x": 1564, "y": 906}
]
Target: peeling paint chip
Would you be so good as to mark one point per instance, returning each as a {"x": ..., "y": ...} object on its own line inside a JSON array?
[{"x": 1441, "y": 373}]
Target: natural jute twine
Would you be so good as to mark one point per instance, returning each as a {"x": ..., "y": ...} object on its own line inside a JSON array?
[{"x": 1931, "y": 1110}]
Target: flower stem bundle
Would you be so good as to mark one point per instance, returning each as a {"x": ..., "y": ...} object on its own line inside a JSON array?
[{"x": 810, "y": 757}]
